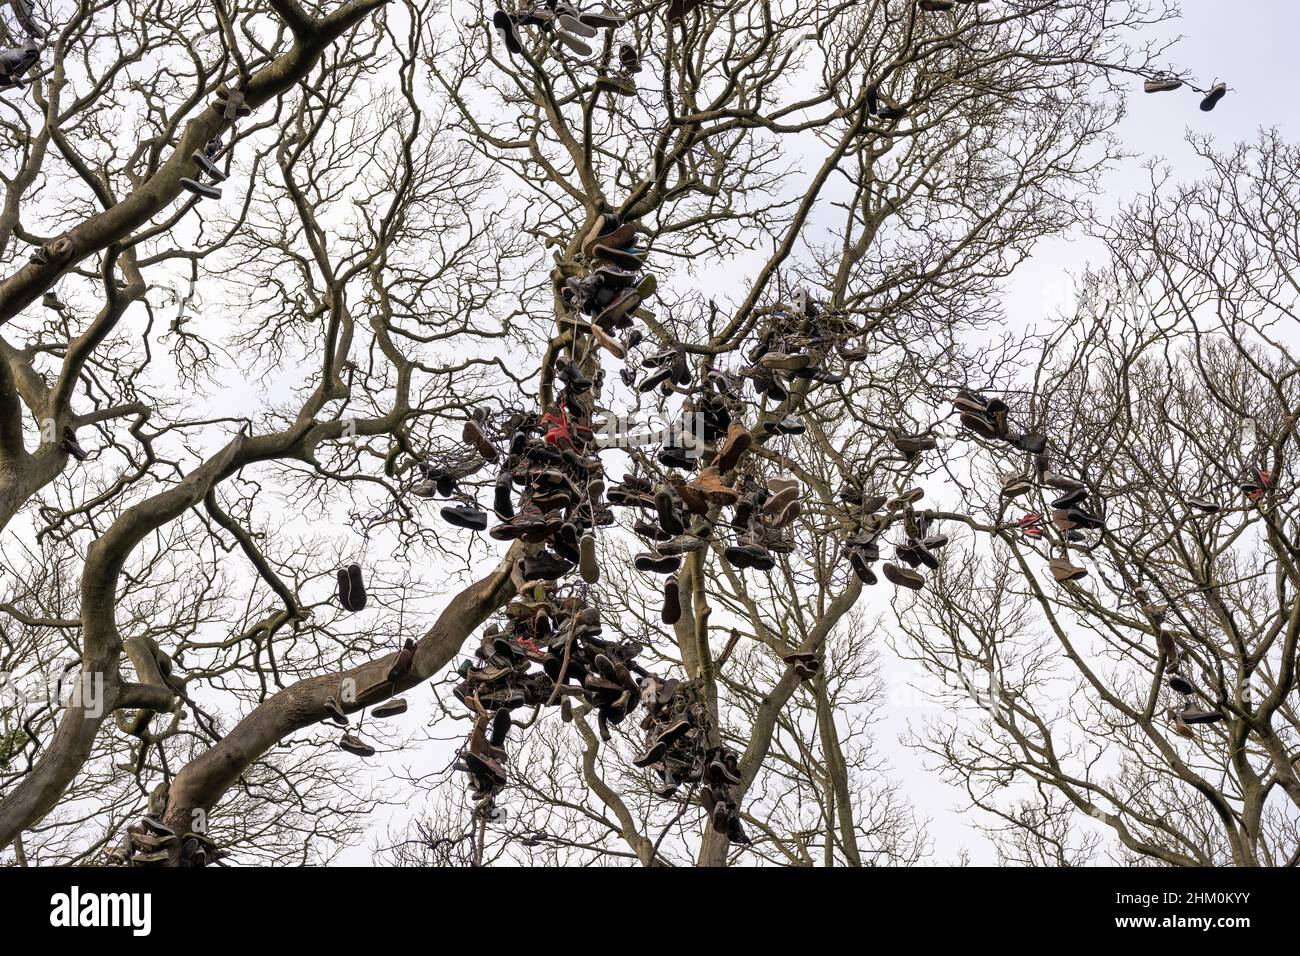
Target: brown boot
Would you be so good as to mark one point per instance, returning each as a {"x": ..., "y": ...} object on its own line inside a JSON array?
[
  {"x": 709, "y": 484},
  {"x": 694, "y": 501},
  {"x": 737, "y": 442}
]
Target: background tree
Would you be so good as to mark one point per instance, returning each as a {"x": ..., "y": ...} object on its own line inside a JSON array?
[{"x": 1170, "y": 390}]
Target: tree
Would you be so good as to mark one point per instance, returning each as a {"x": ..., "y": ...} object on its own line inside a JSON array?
[
  {"x": 379, "y": 276},
  {"x": 1172, "y": 392}
]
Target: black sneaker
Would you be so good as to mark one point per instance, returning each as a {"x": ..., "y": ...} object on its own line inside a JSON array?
[
  {"x": 545, "y": 566},
  {"x": 352, "y": 588},
  {"x": 465, "y": 516},
  {"x": 505, "y": 27},
  {"x": 1217, "y": 92},
  {"x": 652, "y": 562},
  {"x": 1071, "y": 498}
]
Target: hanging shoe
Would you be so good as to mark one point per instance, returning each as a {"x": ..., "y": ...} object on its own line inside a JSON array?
[
  {"x": 1196, "y": 715},
  {"x": 355, "y": 745},
  {"x": 51, "y": 301},
  {"x": 544, "y": 566},
  {"x": 671, "y": 612},
  {"x": 710, "y": 486},
  {"x": 1071, "y": 498},
  {"x": 572, "y": 377},
  {"x": 628, "y": 58},
  {"x": 1064, "y": 571},
  {"x": 465, "y": 516},
  {"x": 1204, "y": 505},
  {"x": 1015, "y": 485},
  {"x": 622, "y": 85},
  {"x": 473, "y": 434},
  {"x": 588, "y": 567},
  {"x": 862, "y": 567},
  {"x": 1180, "y": 684},
  {"x": 389, "y": 708},
  {"x": 402, "y": 663},
  {"x": 571, "y": 21},
  {"x": 1217, "y": 92},
  {"x": 736, "y": 444},
  {"x": 652, "y": 562},
  {"x": 202, "y": 190},
  {"x": 352, "y": 588},
  {"x": 335, "y": 711},
  {"x": 903, "y": 577},
  {"x": 573, "y": 43},
  {"x": 1161, "y": 85},
  {"x": 505, "y": 27},
  {"x": 669, "y": 519},
  {"x": 909, "y": 446},
  {"x": 1083, "y": 518},
  {"x": 69, "y": 444},
  {"x": 503, "y": 497},
  {"x": 980, "y": 424}
]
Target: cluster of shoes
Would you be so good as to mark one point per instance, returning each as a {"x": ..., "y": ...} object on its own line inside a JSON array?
[
  {"x": 150, "y": 842},
  {"x": 351, "y": 741},
  {"x": 1188, "y": 713},
  {"x": 677, "y": 726},
  {"x": 570, "y": 26},
  {"x": 795, "y": 344},
  {"x": 989, "y": 418},
  {"x": 1166, "y": 84},
  {"x": 873, "y": 515},
  {"x": 1070, "y": 511},
  {"x": 206, "y": 161},
  {"x": 612, "y": 288},
  {"x": 546, "y": 650}
]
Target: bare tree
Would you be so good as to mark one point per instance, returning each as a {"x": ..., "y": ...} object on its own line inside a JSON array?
[
  {"x": 1173, "y": 394},
  {"x": 372, "y": 273}
]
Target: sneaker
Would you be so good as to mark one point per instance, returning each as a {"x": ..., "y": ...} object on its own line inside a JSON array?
[
  {"x": 1181, "y": 685},
  {"x": 355, "y": 745},
  {"x": 1205, "y": 505},
  {"x": 573, "y": 43},
  {"x": 1161, "y": 85},
  {"x": 909, "y": 446},
  {"x": 1217, "y": 92},
  {"x": 651, "y": 562},
  {"x": 199, "y": 189},
  {"x": 352, "y": 588},
  {"x": 335, "y": 711},
  {"x": 1071, "y": 498},
  {"x": 505, "y": 28},
  {"x": 671, "y": 611},
  {"x": 474, "y": 435},
  {"x": 576, "y": 26},
  {"x": 389, "y": 708},
  {"x": 1196, "y": 715},
  {"x": 545, "y": 566},
  {"x": 1015, "y": 485},
  {"x": 903, "y": 577},
  {"x": 980, "y": 424},
  {"x": 465, "y": 516}
]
